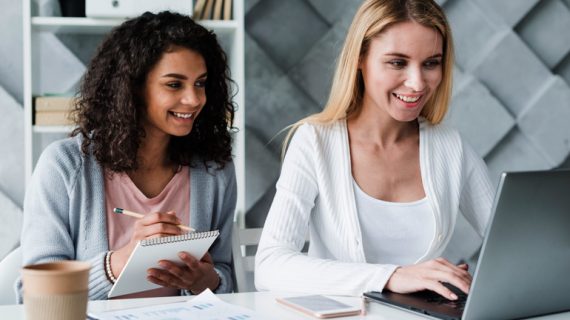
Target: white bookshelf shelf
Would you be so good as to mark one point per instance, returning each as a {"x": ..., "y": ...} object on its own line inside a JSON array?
[
  {"x": 100, "y": 26},
  {"x": 74, "y": 25},
  {"x": 52, "y": 129},
  {"x": 220, "y": 26}
]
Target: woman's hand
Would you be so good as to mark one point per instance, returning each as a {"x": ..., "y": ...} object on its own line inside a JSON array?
[
  {"x": 430, "y": 275},
  {"x": 152, "y": 225},
  {"x": 195, "y": 275}
]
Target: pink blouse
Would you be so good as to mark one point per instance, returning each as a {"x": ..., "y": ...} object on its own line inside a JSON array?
[{"x": 121, "y": 192}]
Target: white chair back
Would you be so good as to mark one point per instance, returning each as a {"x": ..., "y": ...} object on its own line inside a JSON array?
[
  {"x": 244, "y": 247},
  {"x": 244, "y": 259},
  {"x": 9, "y": 270}
]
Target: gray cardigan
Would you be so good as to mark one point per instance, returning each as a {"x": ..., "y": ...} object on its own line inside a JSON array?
[{"x": 64, "y": 213}]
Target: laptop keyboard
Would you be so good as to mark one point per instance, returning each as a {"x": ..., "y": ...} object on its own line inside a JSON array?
[{"x": 456, "y": 304}]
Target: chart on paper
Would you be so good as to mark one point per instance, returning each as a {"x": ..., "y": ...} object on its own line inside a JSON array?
[{"x": 205, "y": 306}]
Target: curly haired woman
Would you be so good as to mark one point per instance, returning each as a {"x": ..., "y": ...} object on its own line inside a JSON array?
[{"x": 153, "y": 118}]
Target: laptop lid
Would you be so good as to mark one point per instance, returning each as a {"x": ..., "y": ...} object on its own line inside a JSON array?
[{"x": 525, "y": 257}]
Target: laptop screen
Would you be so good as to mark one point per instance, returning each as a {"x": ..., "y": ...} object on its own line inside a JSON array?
[{"x": 525, "y": 257}]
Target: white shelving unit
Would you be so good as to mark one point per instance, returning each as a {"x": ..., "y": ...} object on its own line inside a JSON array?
[{"x": 230, "y": 33}]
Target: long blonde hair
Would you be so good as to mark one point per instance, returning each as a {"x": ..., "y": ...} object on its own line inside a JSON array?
[{"x": 371, "y": 19}]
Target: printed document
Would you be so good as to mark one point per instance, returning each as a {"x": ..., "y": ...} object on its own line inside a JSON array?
[{"x": 205, "y": 306}]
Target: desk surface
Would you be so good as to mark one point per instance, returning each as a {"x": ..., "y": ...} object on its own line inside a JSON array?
[{"x": 262, "y": 302}]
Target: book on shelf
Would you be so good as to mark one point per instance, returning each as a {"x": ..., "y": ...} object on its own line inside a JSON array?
[
  {"x": 53, "y": 118},
  {"x": 213, "y": 10},
  {"x": 53, "y": 110},
  {"x": 198, "y": 9},
  {"x": 217, "y": 14},
  {"x": 53, "y": 103},
  {"x": 207, "y": 13},
  {"x": 227, "y": 9}
]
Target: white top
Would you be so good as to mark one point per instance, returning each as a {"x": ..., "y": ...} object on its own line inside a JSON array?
[
  {"x": 315, "y": 192},
  {"x": 395, "y": 232}
]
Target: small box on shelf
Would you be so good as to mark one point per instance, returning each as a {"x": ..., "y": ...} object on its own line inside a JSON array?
[{"x": 133, "y": 8}]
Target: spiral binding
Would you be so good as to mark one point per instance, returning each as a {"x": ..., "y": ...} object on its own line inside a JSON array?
[{"x": 182, "y": 237}]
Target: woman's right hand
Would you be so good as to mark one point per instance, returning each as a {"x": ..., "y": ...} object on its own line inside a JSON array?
[
  {"x": 430, "y": 275},
  {"x": 152, "y": 225}
]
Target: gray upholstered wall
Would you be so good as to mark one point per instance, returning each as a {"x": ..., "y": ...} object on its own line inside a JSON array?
[
  {"x": 511, "y": 90},
  {"x": 511, "y": 97},
  {"x": 11, "y": 124}
]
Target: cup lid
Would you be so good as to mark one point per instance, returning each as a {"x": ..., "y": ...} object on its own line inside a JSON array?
[{"x": 57, "y": 277}]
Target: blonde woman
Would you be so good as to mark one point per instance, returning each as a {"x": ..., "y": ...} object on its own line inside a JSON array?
[{"x": 375, "y": 177}]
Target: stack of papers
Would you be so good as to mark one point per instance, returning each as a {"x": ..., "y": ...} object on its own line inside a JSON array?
[{"x": 205, "y": 306}]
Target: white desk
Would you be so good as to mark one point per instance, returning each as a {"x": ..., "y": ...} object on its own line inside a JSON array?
[{"x": 262, "y": 302}]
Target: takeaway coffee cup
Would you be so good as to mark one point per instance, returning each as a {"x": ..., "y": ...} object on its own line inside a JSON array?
[{"x": 56, "y": 290}]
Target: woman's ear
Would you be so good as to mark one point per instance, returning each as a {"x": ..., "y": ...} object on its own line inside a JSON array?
[{"x": 361, "y": 59}]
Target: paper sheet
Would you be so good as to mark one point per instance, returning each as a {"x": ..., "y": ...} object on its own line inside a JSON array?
[{"x": 205, "y": 306}]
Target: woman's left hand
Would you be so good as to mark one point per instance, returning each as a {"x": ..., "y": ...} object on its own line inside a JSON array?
[{"x": 195, "y": 275}]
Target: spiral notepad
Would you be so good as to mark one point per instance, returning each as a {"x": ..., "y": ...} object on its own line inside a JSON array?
[{"x": 148, "y": 252}]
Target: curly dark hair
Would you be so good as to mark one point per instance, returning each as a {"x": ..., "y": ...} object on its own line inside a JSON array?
[{"x": 110, "y": 105}]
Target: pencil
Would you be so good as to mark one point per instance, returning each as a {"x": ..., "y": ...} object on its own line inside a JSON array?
[{"x": 138, "y": 216}]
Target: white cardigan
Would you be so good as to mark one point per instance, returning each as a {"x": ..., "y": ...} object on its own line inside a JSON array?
[{"x": 315, "y": 191}]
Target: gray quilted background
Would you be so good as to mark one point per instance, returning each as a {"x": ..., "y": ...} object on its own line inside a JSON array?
[
  {"x": 511, "y": 90},
  {"x": 511, "y": 98}
]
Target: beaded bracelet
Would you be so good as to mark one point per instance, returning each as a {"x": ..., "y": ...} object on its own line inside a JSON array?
[{"x": 108, "y": 270}]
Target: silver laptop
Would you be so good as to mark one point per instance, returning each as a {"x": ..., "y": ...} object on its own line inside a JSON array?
[{"x": 524, "y": 265}]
